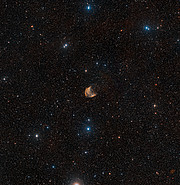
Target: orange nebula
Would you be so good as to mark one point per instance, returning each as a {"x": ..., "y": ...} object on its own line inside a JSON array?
[{"x": 89, "y": 92}]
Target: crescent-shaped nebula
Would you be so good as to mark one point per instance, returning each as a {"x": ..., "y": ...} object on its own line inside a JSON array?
[{"x": 90, "y": 92}]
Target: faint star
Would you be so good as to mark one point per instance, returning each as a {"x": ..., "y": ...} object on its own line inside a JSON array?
[
  {"x": 157, "y": 173},
  {"x": 32, "y": 26},
  {"x": 53, "y": 167}
]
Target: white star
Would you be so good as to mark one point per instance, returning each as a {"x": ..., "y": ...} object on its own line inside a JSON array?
[
  {"x": 5, "y": 78},
  {"x": 88, "y": 128},
  {"x": 147, "y": 28},
  {"x": 65, "y": 45},
  {"x": 88, "y": 7}
]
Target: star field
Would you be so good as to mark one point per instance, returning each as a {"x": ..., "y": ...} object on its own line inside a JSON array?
[{"x": 89, "y": 92}]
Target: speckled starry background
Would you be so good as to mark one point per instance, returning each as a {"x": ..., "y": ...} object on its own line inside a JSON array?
[{"x": 50, "y": 52}]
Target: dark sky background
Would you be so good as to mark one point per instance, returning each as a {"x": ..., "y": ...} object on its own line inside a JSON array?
[{"x": 50, "y": 52}]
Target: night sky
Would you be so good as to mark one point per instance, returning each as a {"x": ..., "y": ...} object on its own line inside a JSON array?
[{"x": 89, "y": 92}]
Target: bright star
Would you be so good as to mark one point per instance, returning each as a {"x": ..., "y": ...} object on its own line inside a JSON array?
[
  {"x": 4, "y": 78},
  {"x": 88, "y": 128},
  {"x": 76, "y": 181},
  {"x": 88, "y": 7},
  {"x": 37, "y": 135},
  {"x": 147, "y": 28},
  {"x": 65, "y": 45},
  {"x": 53, "y": 166}
]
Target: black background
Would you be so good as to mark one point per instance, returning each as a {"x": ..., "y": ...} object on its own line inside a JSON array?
[{"x": 134, "y": 132}]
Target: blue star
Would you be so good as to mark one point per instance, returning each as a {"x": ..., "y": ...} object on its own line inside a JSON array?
[
  {"x": 147, "y": 28},
  {"x": 88, "y": 7},
  {"x": 53, "y": 167},
  {"x": 88, "y": 128}
]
